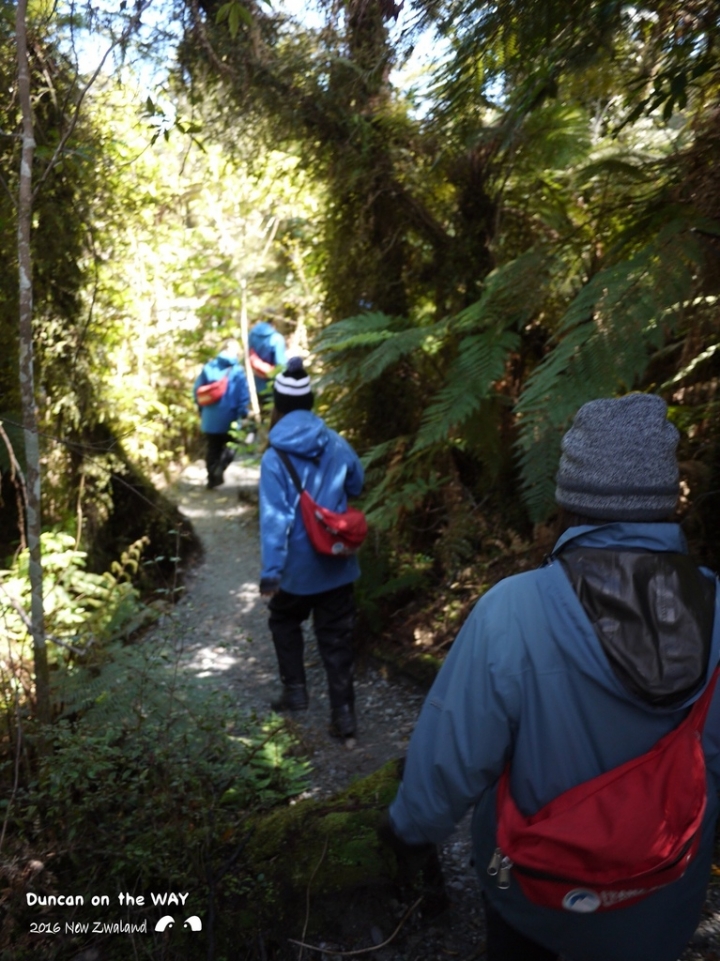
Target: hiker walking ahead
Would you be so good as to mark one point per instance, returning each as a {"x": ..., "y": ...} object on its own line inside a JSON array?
[
  {"x": 299, "y": 580},
  {"x": 231, "y": 404},
  {"x": 567, "y": 672},
  {"x": 267, "y": 351}
]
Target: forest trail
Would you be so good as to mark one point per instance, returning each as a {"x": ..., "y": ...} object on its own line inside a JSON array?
[{"x": 221, "y": 624}]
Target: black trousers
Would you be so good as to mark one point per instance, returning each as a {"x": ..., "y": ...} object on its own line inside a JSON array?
[
  {"x": 504, "y": 943},
  {"x": 217, "y": 456},
  {"x": 333, "y": 620}
]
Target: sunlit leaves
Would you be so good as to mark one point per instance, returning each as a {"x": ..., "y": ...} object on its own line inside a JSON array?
[{"x": 234, "y": 13}]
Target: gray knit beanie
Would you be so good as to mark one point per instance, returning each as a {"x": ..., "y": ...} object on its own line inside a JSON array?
[{"x": 618, "y": 460}]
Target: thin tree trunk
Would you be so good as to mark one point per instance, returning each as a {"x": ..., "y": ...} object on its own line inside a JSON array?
[
  {"x": 245, "y": 337},
  {"x": 27, "y": 380}
]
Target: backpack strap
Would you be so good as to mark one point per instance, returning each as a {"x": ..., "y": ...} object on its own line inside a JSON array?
[{"x": 283, "y": 455}]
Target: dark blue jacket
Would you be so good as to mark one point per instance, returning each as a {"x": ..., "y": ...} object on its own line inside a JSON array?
[
  {"x": 528, "y": 681},
  {"x": 233, "y": 405},
  {"x": 330, "y": 471}
]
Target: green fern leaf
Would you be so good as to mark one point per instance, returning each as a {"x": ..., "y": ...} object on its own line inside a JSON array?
[
  {"x": 389, "y": 352},
  {"x": 604, "y": 342},
  {"x": 336, "y": 336},
  {"x": 481, "y": 362}
]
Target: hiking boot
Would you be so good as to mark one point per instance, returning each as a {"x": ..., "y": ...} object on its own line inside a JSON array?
[
  {"x": 342, "y": 722},
  {"x": 215, "y": 479},
  {"x": 294, "y": 697}
]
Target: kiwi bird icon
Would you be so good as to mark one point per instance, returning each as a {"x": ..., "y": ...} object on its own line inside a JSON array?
[{"x": 167, "y": 921}]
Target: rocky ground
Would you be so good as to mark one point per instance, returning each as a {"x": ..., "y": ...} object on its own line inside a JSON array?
[{"x": 223, "y": 621}]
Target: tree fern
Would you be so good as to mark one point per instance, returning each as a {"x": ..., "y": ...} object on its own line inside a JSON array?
[
  {"x": 386, "y": 354},
  {"x": 358, "y": 331},
  {"x": 603, "y": 346},
  {"x": 481, "y": 362},
  {"x": 510, "y": 299}
]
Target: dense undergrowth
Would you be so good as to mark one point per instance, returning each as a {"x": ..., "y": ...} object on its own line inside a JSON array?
[{"x": 145, "y": 784}]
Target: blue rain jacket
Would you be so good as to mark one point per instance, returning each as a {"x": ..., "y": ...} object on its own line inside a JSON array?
[
  {"x": 330, "y": 471},
  {"x": 269, "y": 345},
  {"x": 528, "y": 680},
  {"x": 233, "y": 405}
]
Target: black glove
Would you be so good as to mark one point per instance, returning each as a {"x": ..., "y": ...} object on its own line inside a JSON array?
[
  {"x": 269, "y": 586},
  {"x": 411, "y": 858},
  {"x": 414, "y": 860}
]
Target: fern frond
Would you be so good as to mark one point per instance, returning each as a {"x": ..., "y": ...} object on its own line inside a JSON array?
[
  {"x": 689, "y": 368},
  {"x": 390, "y": 351},
  {"x": 604, "y": 342},
  {"x": 343, "y": 332},
  {"x": 369, "y": 338},
  {"x": 380, "y": 451},
  {"x": 511, "y": 293},
  {"x": 481, "y": 362},
  {"x": 390, "y": 501},
  {"x": 554, "y": 137},
  {"x": 511, "y": 297},
  {"x": 621, "y": 165}
]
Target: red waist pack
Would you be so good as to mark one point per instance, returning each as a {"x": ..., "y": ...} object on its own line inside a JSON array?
[
  {"x": 329, "y": 532},
  {"x": 261, "y": 367},
  {"x": 211, "y": 393},
  {"x": 616, "y": 838}
]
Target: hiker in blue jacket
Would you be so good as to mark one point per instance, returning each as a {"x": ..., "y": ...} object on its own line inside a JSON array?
[
  {"x": 269, "y": 345},
  {"x": 298, "y": 580},
  {"x": 215, "y": 419},
  {"x": 569, "y": 671}
]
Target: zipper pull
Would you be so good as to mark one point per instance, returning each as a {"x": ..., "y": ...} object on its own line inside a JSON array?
[
  {"x": 495, "y": 860},
  {"x": 504, "y": 873}
]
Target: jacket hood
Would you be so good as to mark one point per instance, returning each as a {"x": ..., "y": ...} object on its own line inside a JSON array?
[
  {"x": 625, "y": 536},
  {"x": 300, "y": 432},
  {"x": 261, "y": 331},
  {"x": 651, "y": 608},
  {"x": 221, "y": 363}
]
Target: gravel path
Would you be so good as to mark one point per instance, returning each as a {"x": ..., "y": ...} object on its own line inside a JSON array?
[{"x": 223, "y": 623}]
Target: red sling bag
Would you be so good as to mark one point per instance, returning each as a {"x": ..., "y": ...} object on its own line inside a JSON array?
[
  {"x": 211, "y": 393},
  {"x": 261, "y": 367},
  {"x": 615, "y": 838},
  {"x": 329, "y": 532}
]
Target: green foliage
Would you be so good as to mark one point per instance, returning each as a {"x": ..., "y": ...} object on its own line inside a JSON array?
[
  {"x": 159, "y": 802},
  {"x": 604, "y": 345},
  {"x": 323, "y": 849},
  {"x": 482, "y": 357},
  {"x": 477, "y": 262},
  {"x": 61, "y": 211},
  {"x": 82, "y": 609},
  {"x": 234, "y": 13},
  {"x": 124, "y": 795}
]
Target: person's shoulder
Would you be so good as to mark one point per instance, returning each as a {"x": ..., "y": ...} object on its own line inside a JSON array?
[
  {"x": 270, "y": 460},
  {"x": 338, "y": 439},
  {"x": 512, "y": 592}
]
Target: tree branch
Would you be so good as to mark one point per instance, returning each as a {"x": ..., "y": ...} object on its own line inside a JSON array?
[{"x": 131, "y": 26}]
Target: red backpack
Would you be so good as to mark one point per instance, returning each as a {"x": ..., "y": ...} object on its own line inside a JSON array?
[
  {"x": 615, "y": 838},
  {"x": 328, "y": 531},
  {"x": 211, "y": 393}
]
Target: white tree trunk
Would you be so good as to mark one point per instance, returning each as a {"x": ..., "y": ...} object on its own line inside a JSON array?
[
  {"x": 26, "y": 369},
  {"x": 245, "y": 337}
]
